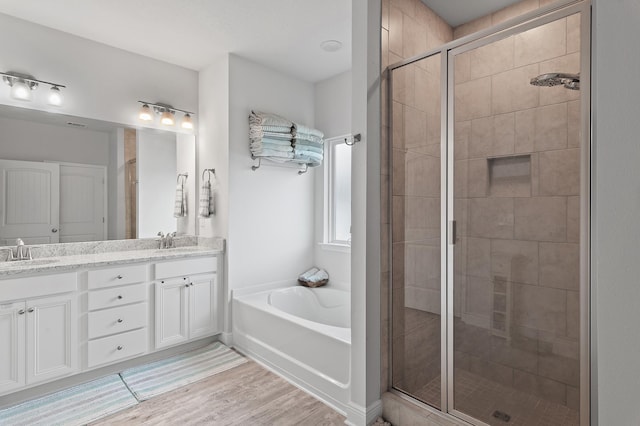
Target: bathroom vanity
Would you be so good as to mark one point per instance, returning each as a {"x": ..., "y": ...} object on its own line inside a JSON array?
[{"x": 71, "y": 314}]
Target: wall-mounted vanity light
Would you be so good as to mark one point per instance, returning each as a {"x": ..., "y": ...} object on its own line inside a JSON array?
[
  {"x": 23, "y": 84},
  {"x": 167, "y": 114}
]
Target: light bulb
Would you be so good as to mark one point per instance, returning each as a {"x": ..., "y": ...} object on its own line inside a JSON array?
[
  {"x": 20, "y": 90},
  {"x": 187, "y": 122},
  {"x": 145, "y": 113},
  {"x": 167, "y": 118},
  {"x": 55, "y": 96}
]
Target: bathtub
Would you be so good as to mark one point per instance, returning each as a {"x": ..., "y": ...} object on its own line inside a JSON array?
[{"x": 302, "y": 334}]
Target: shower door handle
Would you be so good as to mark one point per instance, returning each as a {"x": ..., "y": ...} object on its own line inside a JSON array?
[{"x": 452, "y": 232}]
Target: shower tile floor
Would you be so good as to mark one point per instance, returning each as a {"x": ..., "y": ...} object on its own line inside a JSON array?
[{"x": 480, "y": 398}]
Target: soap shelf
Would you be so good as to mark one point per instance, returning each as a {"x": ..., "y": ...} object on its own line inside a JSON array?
[{"x": 302, "y": 167}]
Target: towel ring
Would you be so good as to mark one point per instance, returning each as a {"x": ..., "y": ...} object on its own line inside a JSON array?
[
  {"x": 209, "y": 173},
  {"x": 184, "y": 175}
]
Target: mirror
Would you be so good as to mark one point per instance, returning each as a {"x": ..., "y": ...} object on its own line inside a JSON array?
[{"x": 71, "y": 179}]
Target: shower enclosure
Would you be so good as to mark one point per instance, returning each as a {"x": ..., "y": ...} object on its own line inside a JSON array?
[{"x": 489, "y": 195}]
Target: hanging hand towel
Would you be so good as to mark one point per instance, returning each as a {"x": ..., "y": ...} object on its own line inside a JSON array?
[
  {"x": 180, "y": 207},
  {"x": 205, "y": 200}
]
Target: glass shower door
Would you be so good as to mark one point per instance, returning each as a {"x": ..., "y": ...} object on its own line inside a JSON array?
[
  {"x": 416, "y": 235},
  {"x": 516, "y": 198}
]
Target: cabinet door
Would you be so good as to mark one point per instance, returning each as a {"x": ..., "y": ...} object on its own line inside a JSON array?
[
  {"x": 171, "y": 312},
  {"x": 52, "y": 337},
  {"x": 12, "y": 346},
  {"x": 203, "y": 298}
]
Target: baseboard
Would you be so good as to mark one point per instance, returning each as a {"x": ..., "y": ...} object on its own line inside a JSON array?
[
  {"x": 227, "y": 338},
  {"x": 357, "y": 415}
]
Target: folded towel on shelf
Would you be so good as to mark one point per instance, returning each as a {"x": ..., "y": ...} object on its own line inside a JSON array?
[
  {"x": 180, "y": 206},
  {"x": 271, "y": 141},
  {"x": 302, "y": 129},
  {"x": 206, "y": 202},
  {"x": 303, "y": 142},
  {"x": 272, "y": 153},
  {"x": 266, "y": 119},
  {"x": 308, "y": 155},
  {"x": 270, "y": 135},
  {"x": 276, "y": 129},
  {"x": 271, "y": 147},
  {"x": 311, "y": 148},
  {"x": 310, "y": 138}
]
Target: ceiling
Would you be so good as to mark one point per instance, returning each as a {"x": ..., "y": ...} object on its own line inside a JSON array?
[
  {"x": 281, "y": 34},
  {"x": 458, "y": 12}
]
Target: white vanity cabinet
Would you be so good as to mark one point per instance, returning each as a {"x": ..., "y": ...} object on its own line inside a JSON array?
[
  {"x": 186, "y": 300},
  {"x": 117, "y": 317},
  {"x": 38, "y": 334}
]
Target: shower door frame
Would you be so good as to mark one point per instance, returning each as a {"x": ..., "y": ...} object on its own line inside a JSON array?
[{"x": 447, "y": 52}]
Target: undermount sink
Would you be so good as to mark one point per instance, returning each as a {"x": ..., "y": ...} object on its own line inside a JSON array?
[{"x": 34, "y": 262}]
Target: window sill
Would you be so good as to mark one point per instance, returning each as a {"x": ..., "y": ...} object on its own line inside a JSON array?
[{"x": 342, "y": 248}]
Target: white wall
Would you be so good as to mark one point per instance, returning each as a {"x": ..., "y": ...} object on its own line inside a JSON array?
[
  {"x": 102, "y": 82},
  {"x": 333, "y": 117},
  {"x": 616, "y": 209},
  {"x": 213, "y": 142},
  {"x": 185, "y": 155},
  {"x": 365, "y": 208},
  {"x": 156, "y": 168},
  {"x": 31, "y": 141},
  {"x": 271, "y": 210}
]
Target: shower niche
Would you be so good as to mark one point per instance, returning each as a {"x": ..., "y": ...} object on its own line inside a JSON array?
[{"x": 489, "y": 175}]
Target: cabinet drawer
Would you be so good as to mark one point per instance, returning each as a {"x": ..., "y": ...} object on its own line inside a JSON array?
[
  {"x": 117, "y": 276},
  {"x": 111, "y": 297},
  {"x": 113, "y": 348},
  {"x": 117, "y": 320},
  {"x": 185, "y": 267}
]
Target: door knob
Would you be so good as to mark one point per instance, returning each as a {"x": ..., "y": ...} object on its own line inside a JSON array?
[
  {"x": 119, "y": 319},
  {"x": 30, "y": 310},
  {"x": 21, "y": 312},
  {"x": 119, "y": 348},
  {"x": 54, "y": 230}
]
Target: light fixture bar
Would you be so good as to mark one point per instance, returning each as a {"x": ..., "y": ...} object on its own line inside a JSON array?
[
  {"x": 18, "y": 76},
  {"x": 167, "y": 107}
]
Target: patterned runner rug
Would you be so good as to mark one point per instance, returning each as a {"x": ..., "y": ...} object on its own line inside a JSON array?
[
  {"x": 171, "y": 373},
  {"x": 78, "y": 405}
]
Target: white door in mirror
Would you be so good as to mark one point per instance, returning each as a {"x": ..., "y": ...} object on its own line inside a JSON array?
[{"x": 30, "y": 195}]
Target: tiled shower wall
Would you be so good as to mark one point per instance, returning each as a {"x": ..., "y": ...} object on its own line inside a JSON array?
[
  {"x": 517, "y": 177},
  {"x": 542, "y": 125}
]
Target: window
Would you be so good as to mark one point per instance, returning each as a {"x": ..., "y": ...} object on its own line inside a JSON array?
[{"x": 337, "y": 192}]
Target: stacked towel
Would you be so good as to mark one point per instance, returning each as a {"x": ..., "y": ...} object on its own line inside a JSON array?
[
  {"x": 270, "y": 136},
  {"x": 180, "y": 206},
  {"x": 308, "y": 144}
]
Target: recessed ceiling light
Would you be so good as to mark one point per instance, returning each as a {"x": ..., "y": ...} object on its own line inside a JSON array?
[{"x": 331, "y": 45}]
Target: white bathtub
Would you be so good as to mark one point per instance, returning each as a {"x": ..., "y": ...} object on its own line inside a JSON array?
[{"x": 303, "y": 334}]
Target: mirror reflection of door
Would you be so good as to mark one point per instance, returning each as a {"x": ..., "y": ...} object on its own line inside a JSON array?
[
  {"x": 29, "y": 202},
  {"x": 82, "y": 203}
]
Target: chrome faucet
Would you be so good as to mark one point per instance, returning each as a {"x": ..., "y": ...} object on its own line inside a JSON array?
[
  {"x": 169, "y": 240},
  {"x": 22, "y": 252},
  {"x": 163, "y": 240},
  {"x": 166, "y": 241}
]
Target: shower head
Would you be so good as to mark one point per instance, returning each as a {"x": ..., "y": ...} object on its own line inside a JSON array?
[{"x": 570, "y": 81}]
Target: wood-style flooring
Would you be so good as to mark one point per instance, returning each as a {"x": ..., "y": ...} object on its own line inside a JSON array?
[{"x": 245, "y": 395}]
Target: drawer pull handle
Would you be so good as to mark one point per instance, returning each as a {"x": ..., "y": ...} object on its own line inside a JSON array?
[
  {"x": 120, "y": 348},
  {"x": 21, "y": 312},
  {"x": 119, "y": 296},
  {"x": 119, "y": 277},
  {"x": 119, "y": 319},
  {"x": 30, "y": 310}
]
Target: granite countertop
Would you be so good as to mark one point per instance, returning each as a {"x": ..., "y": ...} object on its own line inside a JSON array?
[{"x": 105, "y": 259}]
